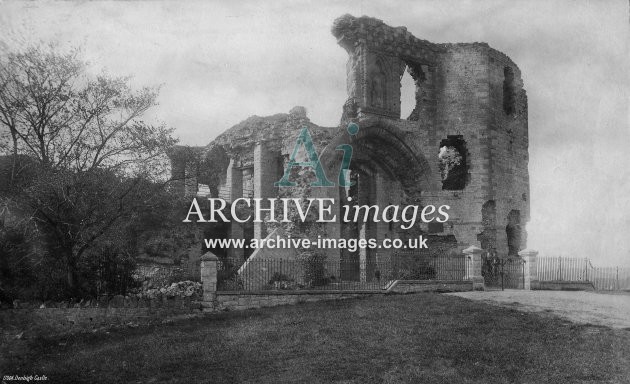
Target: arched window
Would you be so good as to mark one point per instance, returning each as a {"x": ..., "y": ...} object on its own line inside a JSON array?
[{"x": 453, "y": 163}]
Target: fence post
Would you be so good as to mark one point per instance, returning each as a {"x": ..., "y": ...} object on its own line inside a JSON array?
[
  {"x": 473, "y": 267},
  {"x": 585, "y": 269},
  {"x": 209, "y": 279},
  {"x": 530, "y": 278},
  {"x": 617, "y": 277}
]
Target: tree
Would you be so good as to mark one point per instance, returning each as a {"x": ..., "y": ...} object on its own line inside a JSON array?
[
  {"x": 65, "y": 119},
  {"x": 93, "y": 159}
]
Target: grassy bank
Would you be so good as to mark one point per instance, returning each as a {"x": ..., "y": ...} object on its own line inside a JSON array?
[{"x": 422, "y": 338}]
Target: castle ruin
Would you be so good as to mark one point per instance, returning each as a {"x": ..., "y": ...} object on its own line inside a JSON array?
[{"x": 465, "y": 144}]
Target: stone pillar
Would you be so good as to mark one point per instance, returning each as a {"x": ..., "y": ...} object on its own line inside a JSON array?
[
  {"x": 530, "y": 268},
  {"x": 386, "y": 194},
  {"x": 178, "y": 173},
  {"x": 190, "y": 181},
  {"x": 209, "y": 278},
  {"x": 265, "y": 174},
  {"x": 234, "y": 183},
  {"x": 473, "y": 266}
]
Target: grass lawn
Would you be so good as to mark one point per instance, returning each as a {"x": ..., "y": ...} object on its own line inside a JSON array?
[{"x": 421, "y": 338}]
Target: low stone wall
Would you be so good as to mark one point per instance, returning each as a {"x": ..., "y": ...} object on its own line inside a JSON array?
[
  {"x": 230, "y": 301},
  {"x": 563, "y": 286},
  {"x": 60, "y": 318},
  {"x": 410, "y": 286},
  {"x": 226, "y": 301}
]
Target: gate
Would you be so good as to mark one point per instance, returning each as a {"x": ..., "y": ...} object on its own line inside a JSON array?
[{"x": 503, "y": 272}]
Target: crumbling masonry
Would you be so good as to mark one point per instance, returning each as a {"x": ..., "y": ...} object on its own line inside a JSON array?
[{"x": 465, "y": 144}]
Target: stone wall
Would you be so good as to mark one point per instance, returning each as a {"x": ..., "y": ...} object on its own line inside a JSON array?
[
  {"x": 414, "y": 286},
  {"x": 57, "y": 318},
  {"x": 239, "y": 301},
  {"x": 564, "y": 286}
]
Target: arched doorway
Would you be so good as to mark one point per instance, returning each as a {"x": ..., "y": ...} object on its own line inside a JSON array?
[{"x": 385, "y": 171}]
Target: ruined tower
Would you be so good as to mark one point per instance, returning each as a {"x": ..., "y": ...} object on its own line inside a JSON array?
[
  {"x": 465, "y": 144},
  {"x": 470, "y": 107}
]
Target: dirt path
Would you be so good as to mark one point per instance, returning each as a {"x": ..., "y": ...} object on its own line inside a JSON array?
[{"x": 612, "y": 310}]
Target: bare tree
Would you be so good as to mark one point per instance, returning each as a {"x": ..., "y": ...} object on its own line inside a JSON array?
[
  {"x": 91, "y": 156},
  {"x": 60, "y": 116}
]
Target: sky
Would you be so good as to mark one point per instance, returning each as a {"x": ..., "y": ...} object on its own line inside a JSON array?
[{"x": 220, "y": 62}]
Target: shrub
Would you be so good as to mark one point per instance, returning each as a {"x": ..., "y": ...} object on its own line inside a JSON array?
[
  {"x": 419, "y": 271},
  {"x": 16, "y": 272},
  {"x": 235, "y": 283},
  {"x": 282, "y": 282},
  {"x": 277, "y": 276},
  {"x": 227, "y": 277},
  {"x": 107, "y": 270},
  {"x": 314, "y": 264}
]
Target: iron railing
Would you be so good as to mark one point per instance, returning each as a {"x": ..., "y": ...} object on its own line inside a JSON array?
[
  {"x": 582, "y": 269},
  {"x": 415, "y": 266},
  {"x": 503, "y": 272},
  {"x": 338, "y": 275}
]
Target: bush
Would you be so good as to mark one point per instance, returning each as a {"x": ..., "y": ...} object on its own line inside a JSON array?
[
  {"x": 235, "y": 283},
  {"x": 282, "y": 282},
  {"x": 314, "y": 268},
  {"x": 277, "y": 276},
  {"x": 107, "y": 270},
  {"x": 31, "y": 273},
  {"x": 419, "y": 271},
  {"x": 16, "y": 271},
  {"x": 227, "y": 277},
  {"x": 183, "y": 289}
]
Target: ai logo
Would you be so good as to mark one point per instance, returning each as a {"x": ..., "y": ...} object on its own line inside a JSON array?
[{"x": 304, "y": 139}]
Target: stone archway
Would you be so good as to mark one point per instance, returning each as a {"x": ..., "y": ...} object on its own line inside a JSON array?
[
  {"x": 386, "y": 171},
  {"x": 382, "y": 143}
]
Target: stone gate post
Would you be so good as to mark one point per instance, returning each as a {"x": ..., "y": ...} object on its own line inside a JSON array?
[
  {"x": 473, "y": 266},
  {"x": 530, "y": 268},
  {"x": 209, "y": 278}
]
